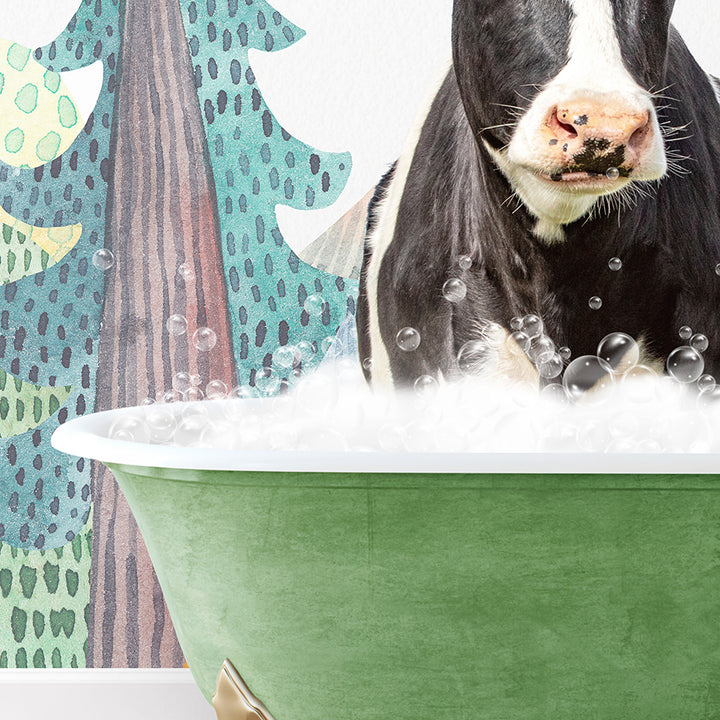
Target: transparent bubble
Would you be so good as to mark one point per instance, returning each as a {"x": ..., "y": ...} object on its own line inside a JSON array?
[
  {"x": 542, "y": 348},
  {"x": 190, "y": 430},
  {"x": 331, "y": 342},
  {"x": 717, "y": 269},
  {"x": 170, "y": 396},
  {"x": 476, "y": 357},
  {"x": 565, "y": 353},
  {"x": 182, "y": 382},
  {"x": 620, "y": 351},
  {"x": 615, "y": 264},
  {"x": 204, "y": 339},
  {"x": 194, "y": 393},
  {"x": 532, "y": 326},
  {"x": 425, "y": 384},
  {"x": 586, "y": 377},
  {"x": 465, "y": 262},
  {"x": 699, "y": 342},
  {"x": 639, "y": 384},
  {"x": 551, "y": 367},
  {"x": 554, "y": 392},
  {"x": 267, "y": 382},
  {"x": 518, "y": 343},
  {"x": 612, "y": 173},
  {"x": 186, "y": 272},
  {"x": 216, "y": 390},
  {"x": 685, "y": 364},
  {"x": 313, "y": 305},
  {"x": 308, "y": 351},
  {"x": 148, "y": 401},
  {"x": 176, "y": 325},
  {"x": 103, "y": 259},
  {"x": 706, "y": 383},
  {"x": 454, "y": 290},
  {"x": 161, "y": 423},
  {"x": 408, "y": 339},
  {"x": 595, "y": 302},
  {"x": 129, "y": 428},
  {"x": 286, "y": 356},
  {"x": 367, "y": 363},
  {"x": 243, "y": 392},
  {"x": 685, "y": 332},
  {"x": 516, "y": 324},
  {"x": 195, "y": 380}
]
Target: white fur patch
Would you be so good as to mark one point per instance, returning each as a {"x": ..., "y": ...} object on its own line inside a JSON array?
[
  {"x": 595, "y": 68},
  {"x": 383, "y": 235}
]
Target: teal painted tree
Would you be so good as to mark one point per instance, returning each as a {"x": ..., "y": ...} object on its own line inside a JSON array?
[
  {"x": 258, "y": 165},
  {"x": 53, "y": 188}
]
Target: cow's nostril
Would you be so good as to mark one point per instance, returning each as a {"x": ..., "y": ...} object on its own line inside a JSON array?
[
  {"x": 638, "y": 137},
  {"x": 562, "y": 130}
]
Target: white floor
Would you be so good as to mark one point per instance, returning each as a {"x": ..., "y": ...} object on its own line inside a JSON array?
[{"x": 101, "y": 695}]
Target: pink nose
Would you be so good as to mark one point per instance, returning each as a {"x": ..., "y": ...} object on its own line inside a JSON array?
[{"x": 592, "y": 135}]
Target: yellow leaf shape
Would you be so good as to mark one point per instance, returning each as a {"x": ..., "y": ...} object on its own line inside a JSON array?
[
  {"x": 20, "y": 258},
  {"x": 38, "y": 117}
]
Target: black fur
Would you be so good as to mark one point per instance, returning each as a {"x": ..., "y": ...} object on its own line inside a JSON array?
[{"x": 454, "y": 204}]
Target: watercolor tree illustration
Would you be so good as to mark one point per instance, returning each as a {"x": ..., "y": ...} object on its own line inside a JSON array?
[
  {"x": 53, "y": 169},
  {"x": 274, "y": 298}
]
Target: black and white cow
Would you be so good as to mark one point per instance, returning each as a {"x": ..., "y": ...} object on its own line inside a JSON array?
[{"x": 567, "y": 133}]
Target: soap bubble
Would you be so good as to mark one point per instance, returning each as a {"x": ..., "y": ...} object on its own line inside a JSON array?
[
  {"x": 454, "y": 290},
  {"x": 475, "y": 357},
  {"x": 425, "y": 384},
  {"x": 706, "y": 383},
  {"x": 170, "y": 396},
  {"x": 595, "y": 302},
  {"x": 550, "y": 367},
  {"x": 204, "y": 339},
  {"x": 717, "y": 269},
  {"x": 161, "y": 423},
  {"x": 313, "y": 305},
  {"x": 307, "y": 350},
  {"x": 286, "y": 356},
  {"x": 532, "y": 326},
  {"x": 243, "y": 392},
  {"x": 148, "y": 401},
  {"x": 195, "y": 380},
  {"x": 565, "y": 353},
  {"x": 465, "y": 262},
  {"x": 620, "y": 351},
  {"x": 129, "y": 428},
  {"x": 331, "y": 342},
  {"x": 586, "y": 377},
  {"x": 408, "y": 339},
  {"x": 182, "y": 382},
  {"x": 685, "y": 364},
  {"x": 267, "y": 382},
  {"x": 699, "y": 342},
  {"x": 186, "y": 272},
  {"x": 554, "y": 392},
  {"x": 194, "y": 393},
  {"x": 190, "y": 430},
  {"x": 516, "y": 324},
  {"x": 685, "y": 332},
  {"x": 216, "y": 390},
  {"x": 612, "y": 173},
  {"x": 615, "y": 264},
  {"x": 542, "y": 348},
  {"x": 518, "y": 343},
  {"x": 103, "y": 259},
  {"x": 176, "y": 325},
  {"x": 367, "y": 363}
]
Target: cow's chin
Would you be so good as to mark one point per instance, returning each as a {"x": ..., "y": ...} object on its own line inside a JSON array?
[{"x": 556, "y": 200}]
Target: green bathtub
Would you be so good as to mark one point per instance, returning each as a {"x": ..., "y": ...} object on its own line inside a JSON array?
[{"x": 526, "y": 587}]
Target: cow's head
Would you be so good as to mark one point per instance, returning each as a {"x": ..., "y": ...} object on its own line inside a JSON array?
[{"x": 561, "y": 93}]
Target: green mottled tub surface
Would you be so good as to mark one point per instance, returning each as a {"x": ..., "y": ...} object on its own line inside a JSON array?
[{"x": 360, "y": 596}]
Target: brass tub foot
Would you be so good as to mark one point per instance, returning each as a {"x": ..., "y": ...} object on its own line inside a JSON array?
[{"x": 233, "y": 700}]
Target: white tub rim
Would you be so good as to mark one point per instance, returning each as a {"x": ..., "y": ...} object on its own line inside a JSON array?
[{"x": 87, "y": 437}]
